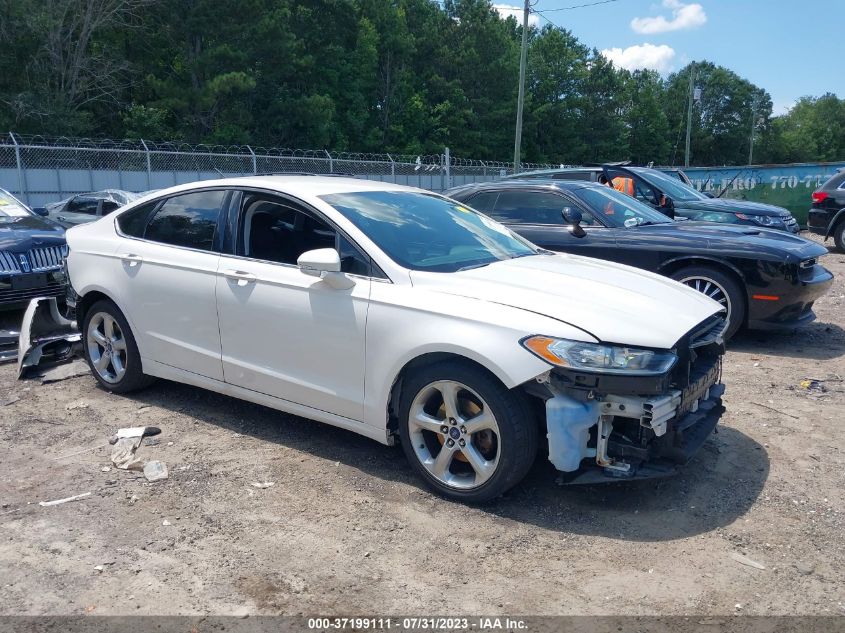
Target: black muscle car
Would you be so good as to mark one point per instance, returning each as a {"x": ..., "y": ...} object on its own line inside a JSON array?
[
  {"x": 673, "y": 196},
  {"x": 765, "y": 279}
]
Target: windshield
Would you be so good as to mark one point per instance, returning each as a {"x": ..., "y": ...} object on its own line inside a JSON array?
[
  {"x": 424, "y": 232},
  {"x": 10, "y": 207},
  {"x": 672, "y": 187},
  {"x": 616, "y": 209}
]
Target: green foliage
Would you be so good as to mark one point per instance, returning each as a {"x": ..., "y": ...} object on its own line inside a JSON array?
[{"x": 399, "y": 76}]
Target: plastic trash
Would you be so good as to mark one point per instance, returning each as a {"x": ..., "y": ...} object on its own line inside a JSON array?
[{"x": 155, "y": 470}]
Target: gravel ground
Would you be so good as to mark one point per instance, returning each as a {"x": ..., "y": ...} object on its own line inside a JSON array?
[{"x": 347, "y": 529}]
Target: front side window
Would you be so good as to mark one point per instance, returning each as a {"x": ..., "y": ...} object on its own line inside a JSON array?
[
  {"x": 529, "y": 207},
  {"x": 672, "y": 187},
  {"x": 617, "y": 209},
  {"x": 275, "y": 230},
  {"x": 189, "y": 220},
  {"x": 422, "y": 231}
]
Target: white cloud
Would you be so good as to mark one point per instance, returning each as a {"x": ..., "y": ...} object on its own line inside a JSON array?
[
  {"x": 684, "y": 16},
  {"x": 507, "y": 10},
  {"x": 649, "y": 56}
]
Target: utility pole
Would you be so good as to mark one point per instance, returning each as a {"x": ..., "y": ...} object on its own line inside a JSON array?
[
  {"x": 753, "y": 121},
  {"x": 689, "y": 111},
  {"x": 517, "y": 144}
]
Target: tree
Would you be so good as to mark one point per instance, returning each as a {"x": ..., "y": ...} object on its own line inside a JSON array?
[{"x": 649, "y": 136}]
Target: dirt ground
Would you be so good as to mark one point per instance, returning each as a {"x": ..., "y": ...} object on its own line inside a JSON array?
[{"x": 347, "y": 529}]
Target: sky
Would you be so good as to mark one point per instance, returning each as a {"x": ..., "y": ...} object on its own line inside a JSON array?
[{"x": 789, "y": 48}]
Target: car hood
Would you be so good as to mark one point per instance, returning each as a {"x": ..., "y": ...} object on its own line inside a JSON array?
[
  {"x": 739, "y": 239},
  {"x": 726, "y": 205},
  {"x": 613, "y": 302},
  {"x": 20, "y": 233}
]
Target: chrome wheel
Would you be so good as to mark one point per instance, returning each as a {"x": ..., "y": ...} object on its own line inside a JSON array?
[
  {"x": 454, "y": 434},
  {"x": 715, "y": 291},
  {"x": 106, "y": 347}
]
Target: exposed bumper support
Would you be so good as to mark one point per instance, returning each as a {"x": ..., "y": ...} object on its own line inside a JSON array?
[{"x": 45, "y": 333}]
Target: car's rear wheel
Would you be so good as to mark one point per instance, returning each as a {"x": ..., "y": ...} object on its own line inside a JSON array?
[
  {"x": 839, "y": 236},
  {"x": 720, "y": 287},
  {"x": 110, "y": 349},
  {"x": 467, "y": 435}
]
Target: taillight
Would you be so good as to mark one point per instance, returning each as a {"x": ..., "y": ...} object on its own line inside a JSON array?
[{"x": 819, "y": 196}]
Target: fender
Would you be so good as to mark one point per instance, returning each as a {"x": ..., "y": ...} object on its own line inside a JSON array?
[
  {"x": 840, "y": 215},
  {"x": 714, "y": 260}
]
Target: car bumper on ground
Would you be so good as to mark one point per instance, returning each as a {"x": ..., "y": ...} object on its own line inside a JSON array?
[{"x": 788, "y": 304}]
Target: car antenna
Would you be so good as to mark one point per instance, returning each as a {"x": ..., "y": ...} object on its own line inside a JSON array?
[{"x": 725, "y": 188}]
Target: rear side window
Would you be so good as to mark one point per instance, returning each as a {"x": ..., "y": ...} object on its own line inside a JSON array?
[
  {"x": 132, "y": 223},
  {"x": 189, "y": 220}
]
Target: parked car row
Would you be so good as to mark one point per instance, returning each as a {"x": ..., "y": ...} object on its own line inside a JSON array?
[{"x": 477, "y": 329}]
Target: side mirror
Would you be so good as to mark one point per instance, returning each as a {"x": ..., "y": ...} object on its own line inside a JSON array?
[
  {"x": 42, "y": 211},
  {"x": 574, "y": 217},
  {"x": 325, "y": 264}
]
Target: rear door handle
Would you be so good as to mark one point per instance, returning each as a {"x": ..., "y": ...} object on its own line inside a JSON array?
[
  {"x": 132, "y": 259},
  {"x": 243, "y": 278}
]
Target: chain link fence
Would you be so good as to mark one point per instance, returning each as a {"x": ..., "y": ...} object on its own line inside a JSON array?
[{"x": 39, "y": 170}]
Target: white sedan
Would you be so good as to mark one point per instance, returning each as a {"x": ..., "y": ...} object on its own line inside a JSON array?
[{"x": 400, "y": 314}]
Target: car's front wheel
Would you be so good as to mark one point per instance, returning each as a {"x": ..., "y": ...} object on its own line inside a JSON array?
[
  {"x": 110, "y": 349},
  {"x": 467, "y": 435},
  {"x": 720, "y": 287}
]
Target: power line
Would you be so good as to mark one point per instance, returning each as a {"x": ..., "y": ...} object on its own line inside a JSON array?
[{"x": 577, "y": 6}]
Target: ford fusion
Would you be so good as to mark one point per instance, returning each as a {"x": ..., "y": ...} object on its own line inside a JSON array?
[{"x": 403, "y": 316}]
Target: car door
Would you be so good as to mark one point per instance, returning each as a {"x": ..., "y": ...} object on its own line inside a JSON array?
[
  {"x": 628, "y": 182},
  {"x": 78, "y": 210},
  {"x": 168, "y": 255},
  {"x": 538, "y": 216},
  {"x": 284, "y": 333}
]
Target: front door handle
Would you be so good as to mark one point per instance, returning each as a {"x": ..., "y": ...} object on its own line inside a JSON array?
[
  {"x": 243, "y": 278},
  {"x": 132, "y": 259}
]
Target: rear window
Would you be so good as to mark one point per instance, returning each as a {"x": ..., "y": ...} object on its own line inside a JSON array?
[{"x": 836, "y": 181}]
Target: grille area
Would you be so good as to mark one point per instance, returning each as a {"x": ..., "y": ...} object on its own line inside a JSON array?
[
  {"x": 40, "y": 259},
  {"x": 47, "y": 257},
  {"x": 53, "y": 289},
  {"x": 9, "y": 263}
]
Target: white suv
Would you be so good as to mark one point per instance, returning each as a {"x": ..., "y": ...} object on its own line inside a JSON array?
[{"x": 398, "y": 313}]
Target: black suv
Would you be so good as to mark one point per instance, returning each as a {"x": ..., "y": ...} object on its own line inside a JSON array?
[
  {"x": 827, "y": 215},
  {"x": 672, "y": 196}
]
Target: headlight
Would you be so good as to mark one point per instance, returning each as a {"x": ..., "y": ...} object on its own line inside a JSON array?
[
  {"x": 595, "y": 357},
  {"x": 762, "y": 220}
]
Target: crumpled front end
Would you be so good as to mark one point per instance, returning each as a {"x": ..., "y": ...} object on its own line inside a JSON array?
[{"x": 603, "y": 428}]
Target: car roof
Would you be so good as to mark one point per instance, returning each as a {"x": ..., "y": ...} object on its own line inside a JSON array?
[
  {"x": 529, "y": 183},
  {"x": 297, "y": 185}
]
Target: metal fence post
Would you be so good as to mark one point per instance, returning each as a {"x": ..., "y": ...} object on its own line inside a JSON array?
[
  {"x": 331, "y": 163},
  {"x": 149, "y": 170},
  {"x": 448, "y": 170},
  {"x": 392, "y": 168},
  {"x": 23, "y": 190},
  {"x": 254, "y": 162}
]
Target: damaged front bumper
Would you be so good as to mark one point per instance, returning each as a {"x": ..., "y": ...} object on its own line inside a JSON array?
[{"x": 631, "y": 428}]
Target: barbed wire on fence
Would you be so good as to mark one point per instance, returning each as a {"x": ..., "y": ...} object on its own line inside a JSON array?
[{"x": 42, "y": 167}]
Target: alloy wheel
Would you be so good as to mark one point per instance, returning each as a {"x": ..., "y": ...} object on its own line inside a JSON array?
[
  {"x": 715, "y": 291},
  {"x": 106, "y": 347},
  {"x": 454, "y": 434}
]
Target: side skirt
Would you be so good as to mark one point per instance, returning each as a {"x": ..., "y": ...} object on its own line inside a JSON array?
[{"x": 160, "y": 370}]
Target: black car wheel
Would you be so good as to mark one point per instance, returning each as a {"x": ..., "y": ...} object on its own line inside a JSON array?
[
  {"x": 110, "y": 349},
  {"x": 467, "y": 435},
  {"x": 720, "y": 287},
  {"x": 839, "y": 235}
]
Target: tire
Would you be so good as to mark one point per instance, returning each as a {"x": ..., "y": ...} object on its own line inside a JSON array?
[
  {"x": 493, "y": 458},
  {"x": 114, "y": 359},
  {"x": 721, "y": 287},
  {"x": 839, "y": 236}
]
